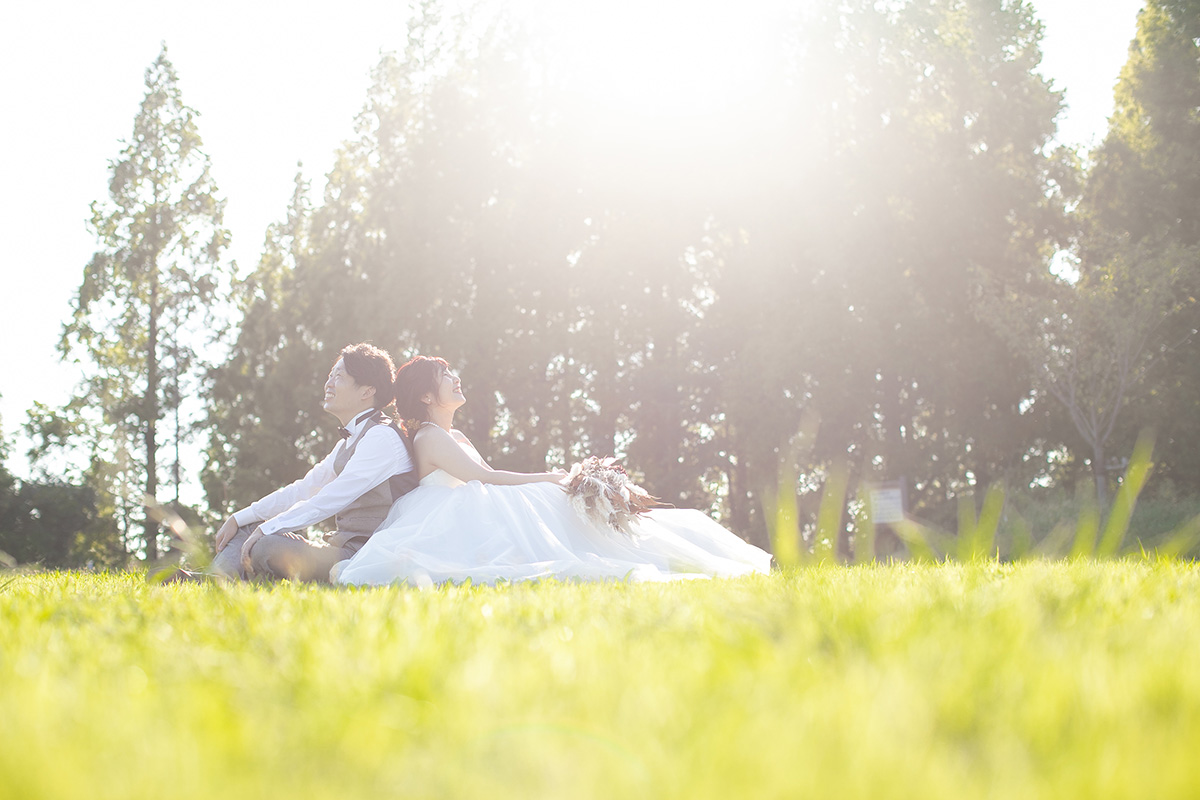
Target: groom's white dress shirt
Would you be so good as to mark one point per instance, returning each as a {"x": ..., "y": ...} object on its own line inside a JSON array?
[{"x": 322, "y": 493}]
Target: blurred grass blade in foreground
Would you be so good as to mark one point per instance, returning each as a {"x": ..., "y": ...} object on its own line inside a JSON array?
[
  {"x": 829, "y": 517},
  {"x": 783, "y": 516},
  {"x": 1134, "y": 481}
]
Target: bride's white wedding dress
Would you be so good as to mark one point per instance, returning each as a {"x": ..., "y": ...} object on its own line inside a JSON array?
[{"x": 447, "y": 530}]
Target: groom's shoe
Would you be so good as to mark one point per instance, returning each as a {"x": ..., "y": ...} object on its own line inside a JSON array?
[{"x": 181, "y": 576}]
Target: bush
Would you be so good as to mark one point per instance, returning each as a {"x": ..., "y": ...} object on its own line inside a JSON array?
[{"x": 56, "y": 525}]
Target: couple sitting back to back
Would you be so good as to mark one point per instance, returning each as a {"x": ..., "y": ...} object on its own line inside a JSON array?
[
  {"x": 356, "y": 484},
  {"x": 466, "y": 521}
]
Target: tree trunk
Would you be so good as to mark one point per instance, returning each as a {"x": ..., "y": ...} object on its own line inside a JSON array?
[
  {"x": 151, "y": 412},
  {"x": 1101, "y": 476},
  {"x": 739, "y": 512}
]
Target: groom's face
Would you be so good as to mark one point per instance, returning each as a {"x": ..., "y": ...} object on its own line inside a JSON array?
[{"x": 344, "y": 397}]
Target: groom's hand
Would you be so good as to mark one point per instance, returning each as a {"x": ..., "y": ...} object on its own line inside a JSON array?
[
  {"x": 226, "y": 533},
  {"x": 247, "y": 547}
]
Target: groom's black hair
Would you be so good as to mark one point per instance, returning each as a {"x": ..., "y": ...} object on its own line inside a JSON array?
[{"x": 370, "y": 366}]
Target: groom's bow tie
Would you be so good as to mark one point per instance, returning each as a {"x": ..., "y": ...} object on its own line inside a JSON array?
[{"x": 342, "y": 432}]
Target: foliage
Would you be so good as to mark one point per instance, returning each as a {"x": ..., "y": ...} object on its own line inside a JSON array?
[
  {"x": 7, "y": 501},
  {"x": 53, "y": 523},
  {"x": 260, "y": 428},
  {"x": 1089, "y": 343},
  {"x": 56, "y": 524},
  {"x": 1068, "y": 679},
  {"x": 142, "y": 307},
  {"x": 1146, "y": 180},
  {"x": 1143, "y": 196}
]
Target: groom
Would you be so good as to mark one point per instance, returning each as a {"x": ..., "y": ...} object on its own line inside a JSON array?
[{"x": 369, "y": 468}]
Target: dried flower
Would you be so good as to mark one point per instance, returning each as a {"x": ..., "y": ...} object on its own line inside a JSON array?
[{"x": 600, "y": 489}]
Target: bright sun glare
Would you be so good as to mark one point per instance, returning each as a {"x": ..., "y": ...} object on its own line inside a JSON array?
[{"x": 660, "y": 62}]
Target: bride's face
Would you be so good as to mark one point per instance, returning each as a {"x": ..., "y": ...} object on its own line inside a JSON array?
[{"x": 450, "y": 390}]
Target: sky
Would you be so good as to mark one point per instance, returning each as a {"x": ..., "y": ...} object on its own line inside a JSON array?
[{"x": 273, "y": 87}]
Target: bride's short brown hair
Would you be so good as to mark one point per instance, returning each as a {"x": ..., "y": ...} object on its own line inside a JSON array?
[{"x": 418, "y": 376}]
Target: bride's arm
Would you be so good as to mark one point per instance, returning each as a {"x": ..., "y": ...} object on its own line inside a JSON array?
[
  {"x": 461, "y": 438},
  {"x": 439, "y": 450}
]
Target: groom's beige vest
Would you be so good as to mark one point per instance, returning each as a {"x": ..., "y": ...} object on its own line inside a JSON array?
[{"x": 360, "y": 519}]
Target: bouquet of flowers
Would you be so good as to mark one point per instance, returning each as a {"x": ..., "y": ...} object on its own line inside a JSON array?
[{"x": 600, "y": 488}]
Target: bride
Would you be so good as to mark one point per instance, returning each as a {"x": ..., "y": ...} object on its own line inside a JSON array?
[{"x": 468, "y": 521}]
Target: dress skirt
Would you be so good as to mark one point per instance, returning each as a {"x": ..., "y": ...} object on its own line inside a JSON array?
[{"x": 484, "y": 533}]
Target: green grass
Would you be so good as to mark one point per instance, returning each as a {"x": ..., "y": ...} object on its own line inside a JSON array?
[{"x": 1037, "y": 679}]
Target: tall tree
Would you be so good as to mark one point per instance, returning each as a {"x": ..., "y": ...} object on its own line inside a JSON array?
[
  {"x": 140, "y": 311},
  {"x": 1090, "y": 341},
  {"x": 1146, "y": 178},
  {"x": 262, "y": 401},
  {"x": 1142, "y": 196}
]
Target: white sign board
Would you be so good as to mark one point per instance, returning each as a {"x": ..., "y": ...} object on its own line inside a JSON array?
[{"x": 887, "y": 503}]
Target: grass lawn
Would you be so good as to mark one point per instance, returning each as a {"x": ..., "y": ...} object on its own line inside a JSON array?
[{"x": 1037, "y": 679}]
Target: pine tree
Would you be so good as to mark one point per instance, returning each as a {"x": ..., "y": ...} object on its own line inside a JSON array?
[{"x": 145, "y": 297}]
